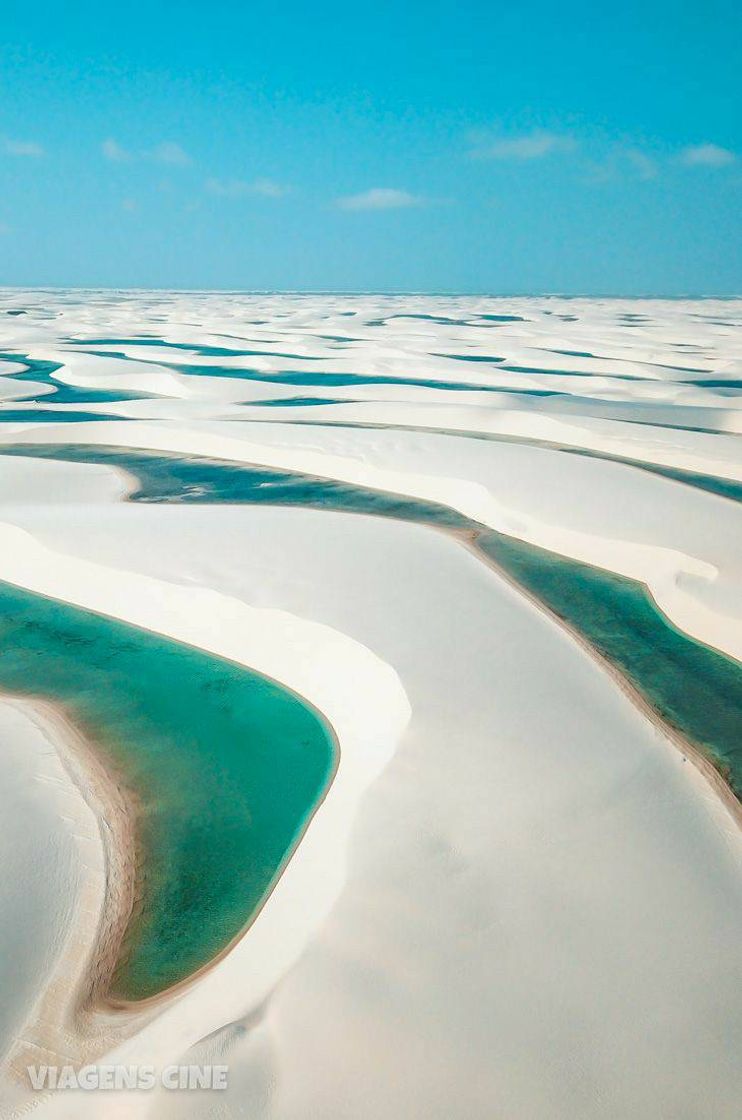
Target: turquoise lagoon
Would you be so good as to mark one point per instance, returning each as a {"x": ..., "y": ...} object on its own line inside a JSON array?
[
  {"x": 695, "y": 689},
  {"x": 226, "y": 768}
]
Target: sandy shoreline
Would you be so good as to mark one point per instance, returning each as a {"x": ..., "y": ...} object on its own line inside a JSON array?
[
  {"x": 115, "y": 809},
  {"x": 515, "y": 896},
  {"x": 85, "y": 1011},
  {"x": 690, "y": 562},
  {"x": 209, "y": 992},
  {"x": 704, "y": 763},
  {"x": 75, "y": 1018},
  {"x": 104, "y": 810},
  {"x": 701, "y": 761}
]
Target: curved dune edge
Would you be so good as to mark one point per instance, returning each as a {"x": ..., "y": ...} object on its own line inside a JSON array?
[
  {"x": 103, "y": 812},
  {"x": 475, "y": 502},
  {"x": 74, "y": 1016},
  {"x": 360, "y": 697},
  {"x": 712, "y": 777},
  {"x": 107, "y": 1026},
  {"x": 662, "y": 569},
  {"x": 467, "y": 497},
  {"x": 566, "y": 1037}
]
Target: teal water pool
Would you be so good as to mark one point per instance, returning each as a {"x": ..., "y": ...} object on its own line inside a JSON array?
[
  {"x": 694, "y": 688},
  {"x": 226, "y": 768}
]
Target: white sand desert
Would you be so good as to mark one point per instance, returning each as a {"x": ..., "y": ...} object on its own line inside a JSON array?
[{"x": 520, "y": 897}]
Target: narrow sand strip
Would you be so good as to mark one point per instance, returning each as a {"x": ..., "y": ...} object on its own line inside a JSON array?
[
  {"x": 102, "y": 813},
  {"x": 705, "y": 765}
]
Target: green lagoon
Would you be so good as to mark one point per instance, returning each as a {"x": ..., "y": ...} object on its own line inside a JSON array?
[
  {"x": 694, "y": 688},
  {"x": 227, "y": 768}
]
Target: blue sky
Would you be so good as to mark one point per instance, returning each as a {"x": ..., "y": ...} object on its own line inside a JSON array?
[{"x": 474, "y": 147}]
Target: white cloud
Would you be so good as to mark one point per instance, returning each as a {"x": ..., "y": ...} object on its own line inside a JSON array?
[
  {"x": 534, "y": 145},
  {"x": 227, "y": 188},
  {"x": 167, "y": 152},
  {"x": 26, "y": 148},
  {"x": 707, "y": 155},
  {"x": 269, "y": 188},
  {"x": 129, "y": 205},
  {"x": 240, "y": 188},
  {"x": 4, "y": 229},
  {"x": 379, "y": 198},
  {"x": 170, "y": 152},
  {"x": 112, "y": 150},
  {"x": 620, "y": 164},
  {"x": 642, "y": 164}
]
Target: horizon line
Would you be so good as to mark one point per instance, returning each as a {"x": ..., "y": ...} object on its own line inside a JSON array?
[{"x": 445, "y": 293}]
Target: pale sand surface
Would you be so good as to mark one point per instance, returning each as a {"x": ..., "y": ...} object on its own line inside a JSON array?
[
  {"x": 99, "y": 815},
  {"x": 361, "y": 696},
  {"x": 31, "y": 482},
  {"x": 10, "y": 389},
  {"x": 595, "y": 511},
  {"x": 41, "y": 864},
  {"x": 588, "y": 878},
  {"x": 518, "y": 898}
]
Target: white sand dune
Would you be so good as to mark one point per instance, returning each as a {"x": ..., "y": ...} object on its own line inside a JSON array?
[
  {"x": 29, "y": 482},
  {"x": 41, "y": 865},
  {"x": 598, "y": 512},
  {"x": 519, "y": 898}
]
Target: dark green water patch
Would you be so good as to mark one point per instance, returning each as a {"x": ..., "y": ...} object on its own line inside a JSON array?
[
  {"x": 712, "y": 484},
  {"x": 301, "y": 377},
  {"x": 40, "y": 371},
  {"x": 50, "y": 416},
  {"x": 178, "y": 478},
  {"x": 73, "y": 394},
  {"x": 227, "y": 768},
  {"x": 322, "y": 378},
  {"x": 447, "y": 321},
  {"x": 443, "y": 320},
  {"x": 570, "y": 373},
  {"x": 719, "y": 383},
  {"x": 574, "y": 353},
  {"x": 695, "y": 689},
  {"x": 296, "y": 402},
  {"x": 502, "y": 318},
  {"x": 489, "y": 358},
  {"x": 191, "y": 347},
  {"x": 37, "y": 369},
  {"x": 658, "y": 424}
]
